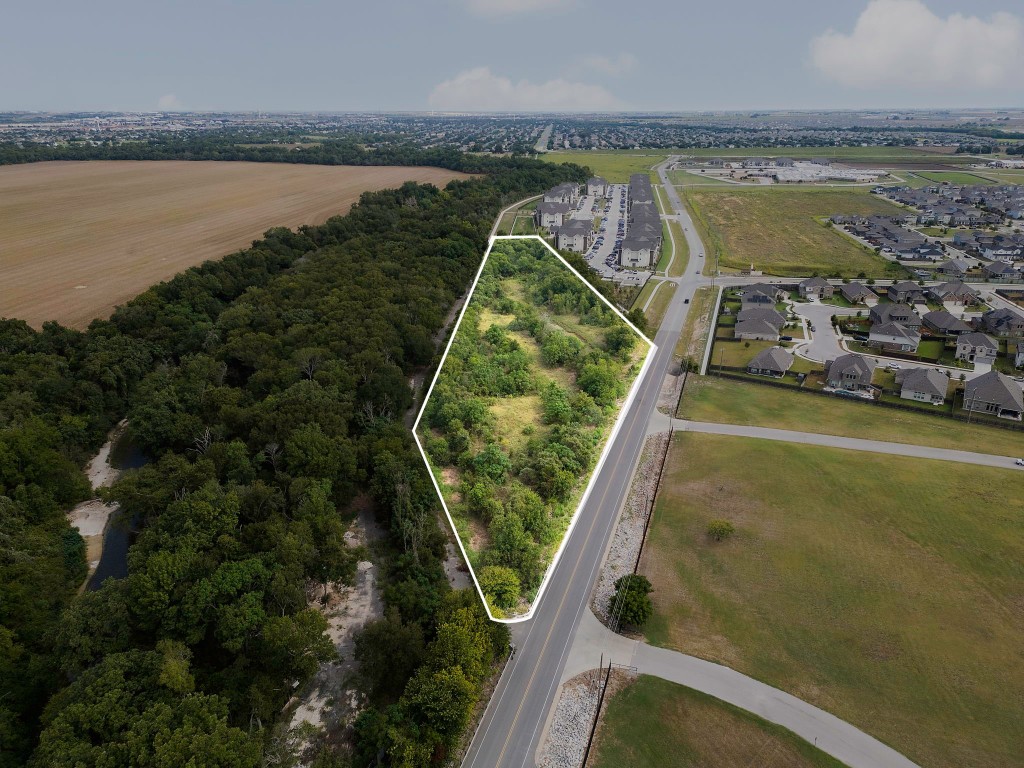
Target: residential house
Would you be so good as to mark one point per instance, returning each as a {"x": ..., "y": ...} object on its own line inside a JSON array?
[
  {"x": 761, "y": 293},
  {"x": 905, "y": 292},
  {"x": 1000, "y": 270},
  {"x": 858, "y": 293},
  {"x": 575, "y": 235},
  {"x": 895, "y": 313},
  {"x": 995, "y": 394},
  {"x": 851, "y": 373},
  {"x": 758, "y": 323},
  {"x": 551, "y": 215},
  {"x": 597, "y": 187},
  {"x": 816, "y": 288},
  {"x": 976, "y": 347},
  {"x": 953, "y": 268},
  {"x": 893, "y": 337},
  {"x": 774, "y": 362},
  {"x": 1003, "y": 322},
  {"x": 924, "y": 385},
  {"x": 942, "y": 322},
  {"x": 953, "y": 292}
]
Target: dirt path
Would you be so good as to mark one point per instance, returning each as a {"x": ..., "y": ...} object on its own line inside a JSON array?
[{"x": 92, "y": 517}]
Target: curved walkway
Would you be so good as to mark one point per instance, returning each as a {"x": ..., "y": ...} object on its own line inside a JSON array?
[{"x": 828, "y": 733}]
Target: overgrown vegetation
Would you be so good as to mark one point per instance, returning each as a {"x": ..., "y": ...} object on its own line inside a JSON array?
[
  {"x": 269, "y": 389},
  {"x": 518, "y": 415}
]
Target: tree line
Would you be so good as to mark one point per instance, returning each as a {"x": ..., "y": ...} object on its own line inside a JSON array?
[{"x": 268, "y": 389}]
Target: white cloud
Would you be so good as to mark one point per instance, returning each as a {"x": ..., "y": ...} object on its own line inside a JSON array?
[
  {"x": 480, "y": 90},
  {"x": 607, "y": 65},
  {"x": 169, "y": 103},
  {"x": 512, "y": 7},
  {"x": 903, "y": 44}
]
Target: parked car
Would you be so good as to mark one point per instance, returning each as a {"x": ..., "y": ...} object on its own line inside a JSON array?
[
  {"x": 785, "y": 338},
  {"x": 1019, "y": 462}
]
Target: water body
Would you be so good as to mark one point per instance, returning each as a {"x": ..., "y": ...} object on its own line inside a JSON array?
[{"x": 122, "y": 529}]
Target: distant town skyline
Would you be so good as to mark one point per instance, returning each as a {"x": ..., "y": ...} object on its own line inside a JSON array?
[{"x": 512, "y": 55}]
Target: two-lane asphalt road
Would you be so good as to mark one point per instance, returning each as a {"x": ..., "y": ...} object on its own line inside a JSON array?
[{"x": 510, "y": 730}]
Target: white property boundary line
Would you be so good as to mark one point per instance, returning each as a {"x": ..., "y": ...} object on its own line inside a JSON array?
[{"x": 652, "y": 349}]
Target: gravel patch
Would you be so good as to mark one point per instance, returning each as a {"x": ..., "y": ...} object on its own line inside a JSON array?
[
  {"x": 572, "y": 721},
  {"x": 671, "y": 386},
  {"x": 626, "y": 542}
]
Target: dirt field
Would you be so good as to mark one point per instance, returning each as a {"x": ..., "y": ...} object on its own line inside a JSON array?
[{"x": 80, "y": 238}]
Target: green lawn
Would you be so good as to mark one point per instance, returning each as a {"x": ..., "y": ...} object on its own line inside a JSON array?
[
  {"x": 682, "y": 259},
  {"x": 733, "y": 402},
  {"x": 884, "y": 590},
  {"x": 645, "y": 292},
  {"x": 656, "y": 311},
  {"x": 616, "y": 165},
  {"x": 954, "y": 177},
  {"x": 780, "y": 230},
  {"x": 653, "y": 723},
  {"x": 694, "y": 337}
]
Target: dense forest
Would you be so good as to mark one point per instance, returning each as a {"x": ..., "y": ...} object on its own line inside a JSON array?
[
  {"x": 268, "y": 389},
  {"x": 516, "y": 419}
]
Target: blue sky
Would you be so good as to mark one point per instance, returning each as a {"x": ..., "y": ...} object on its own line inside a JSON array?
[{"x": 511, "y": 54}]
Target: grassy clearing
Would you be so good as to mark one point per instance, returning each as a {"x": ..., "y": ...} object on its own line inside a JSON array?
[
  {"x": 657, "y": 724},
  {"x": 80, "y": 238},
  {"x": 780, "y": 230},
  {"x": 682, "y": 250},
  {"x": 733, "y": 402},
  {"x": 954, "y": 177},
  {"x": 686, "y": 179},
  {"x": 656, "y": 311},
  {"x": 645, "y": 293},
  {"x": 694, "y": 336},
  {"x": 884, "y": 590},
  {"x": 616, "y": 166}
]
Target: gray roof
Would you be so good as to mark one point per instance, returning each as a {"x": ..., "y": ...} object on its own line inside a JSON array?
[
  {"x": 887, "y": 313},
  {"x": 596, "y": 180},
  {"x": 548, "y": 207},
  {"x": 958, "y": 265},
  {"x": 931, "y": 381},
  {"x": 772, "y": 359},
  {"x": 577, "y": 227},
  {"x": 814, "y": 282},
  {"x": 952, "y": 288},
  {"x": 978, "y": 340},
  {"x": 945, "y": 321},
  {"x": 905, "y": 286},
  {"x": 756, "y": 326},
  {"x": 851, "y": 363},
  {"x": 856, "y": 291},
  {"x": 766, "y": 314},
  {"x": 995, "y": 387},
  {"x": 894, "y": 329}
]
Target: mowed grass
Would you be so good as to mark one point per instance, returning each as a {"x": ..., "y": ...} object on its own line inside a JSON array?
[
  {"x": 653, "y": 723},
  {"x": 780, "y": 230},
  {"x": 659, "y": 305},
  {"x": 616, "y": 166},
  {"x": 726, "y": 401},
  {"x": 954, "y": 177},
  {"x": 80, "y": 238},
  {"x": 885, "y": 590},
  {"x": 694, "y": 337}
]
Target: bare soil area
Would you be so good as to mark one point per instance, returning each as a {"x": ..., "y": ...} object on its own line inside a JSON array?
[{"x": 79, "y": 238}]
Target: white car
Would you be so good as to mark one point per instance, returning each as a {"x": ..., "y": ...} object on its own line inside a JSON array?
[{"x": 1019, "y": 462}]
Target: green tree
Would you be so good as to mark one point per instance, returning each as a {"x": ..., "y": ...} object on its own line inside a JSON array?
[
  {"x": 631, "y": 602},
  {"x": 501, "y": 585},
  {"x": 719, "y": 530}
]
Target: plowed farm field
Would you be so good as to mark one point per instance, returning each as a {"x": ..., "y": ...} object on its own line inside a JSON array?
[{"x": 79, "y": 238}]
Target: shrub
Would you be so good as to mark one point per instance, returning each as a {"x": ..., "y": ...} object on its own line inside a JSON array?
[
  {"x": 631, "y": 602},
  {"x": 500, "y": 585}
]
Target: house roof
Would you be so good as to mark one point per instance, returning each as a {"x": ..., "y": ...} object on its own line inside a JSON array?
[
  {"x": 856, "y": 291},
  {"x": 815, "y": 282},
  {"x": 551, "y": 207},
  {"x": 945, "y": 321},
  {"x": 995, "y": 318},
  {"x": 895, "y": 330},
  {"x": 978, "y": 339},
  {"x": 851, "y": 363},
  {"x": 887, "y": 313},
  {"x": 952, "y": 288},
  {"x": 767, "y": 314},
  {"x": 931, "y": 381},
  {"x": 596, "y": 180},
  {"x": 995, "y": 387},
  {"x": 906, "y": 286},
  {"x": 755, "y": 326},
  {"x": 577, "y": 227},
  {"x": 954, "y": 265},
  {"x": 772, "y": 359}
]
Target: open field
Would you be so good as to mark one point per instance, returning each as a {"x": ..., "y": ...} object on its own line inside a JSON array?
[
  {"x": 615, "y": 166},
  {"x": 780, "y": 230},
  {"x": 726, "y": 401},
  {"x": 676, "y": 267},
  {"x": 694, "y": 336},
  {"x": 80, "y": 238},
  {"x": 882, "y": 589},
  {"x": 657, "y": 724},
  {"x": 955, "y": 177}
]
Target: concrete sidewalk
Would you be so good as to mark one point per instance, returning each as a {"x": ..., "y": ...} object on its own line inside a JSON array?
[{"x": 849, "y": 443}]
